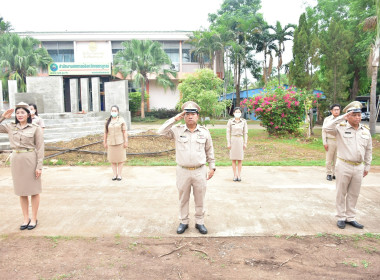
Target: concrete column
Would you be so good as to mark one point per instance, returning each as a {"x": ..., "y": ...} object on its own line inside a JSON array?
[
  {"x": 95, "y": 86},
  {"x": 84, "y": 93},
  {"x": 12, "y": 90},
  {"x": 74, "y": 95},
  {"x": 1, "y": 97},
  {"x": 116, "y": 93}
]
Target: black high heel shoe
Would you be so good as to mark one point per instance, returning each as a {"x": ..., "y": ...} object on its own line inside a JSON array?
[{"x": 22, "y": 227}]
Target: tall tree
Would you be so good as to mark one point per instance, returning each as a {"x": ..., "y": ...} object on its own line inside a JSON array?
[
  {"x": 21, "y": 57},
  {"x": 335, "y": 49},
  {"x": 240, "y": 18},
  {"x": 373, "y": 23},
  {"x": 299, "y": 66},
  {"x": 140, "y": 58},
  {"x": 281, "y": 34}
]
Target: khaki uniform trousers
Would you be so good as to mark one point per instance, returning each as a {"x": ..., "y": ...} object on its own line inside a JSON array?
[
  {"x": 331, "y": 156},
  {"x": 348, "y": 182},
  {"x": 197, "y": 179}
]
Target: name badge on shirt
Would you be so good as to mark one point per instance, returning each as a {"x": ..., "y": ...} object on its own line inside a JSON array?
[{"x": 348, "y": 132}]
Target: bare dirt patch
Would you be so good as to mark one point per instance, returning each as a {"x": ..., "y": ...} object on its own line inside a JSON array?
[{"x": 318, "y": 257}]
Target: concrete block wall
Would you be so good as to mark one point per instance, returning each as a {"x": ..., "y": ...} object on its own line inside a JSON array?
[{"x": 52, "y": 90}]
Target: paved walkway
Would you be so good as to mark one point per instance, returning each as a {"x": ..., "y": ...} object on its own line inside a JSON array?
[{"x": 83, "y": 201}]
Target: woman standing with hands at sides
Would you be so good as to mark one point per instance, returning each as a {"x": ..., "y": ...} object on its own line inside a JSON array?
[
  {"x": 116, "y": 141},
  {"x": 27, "y": 143},
  {"x": 35, "y": 117},
  {"x": 237, "y": 138}
]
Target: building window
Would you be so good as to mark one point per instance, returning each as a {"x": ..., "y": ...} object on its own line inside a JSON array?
[
  {"x": 116, "y": 46},
  {"x": 60, "y": 51}
]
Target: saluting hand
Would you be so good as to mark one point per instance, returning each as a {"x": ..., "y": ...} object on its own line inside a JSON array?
[
  {"x": 8, "y": 113},
  {"x": 38, "y": 173},
  {"x": 180, "y": 116},
  {"x": 210, "y": 174},
  {"x": 347, "y": 115},
  {"x": 326, "y": 147}
]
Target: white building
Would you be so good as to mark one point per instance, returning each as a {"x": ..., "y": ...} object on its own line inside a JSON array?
[{"x": 80, "y": 49}]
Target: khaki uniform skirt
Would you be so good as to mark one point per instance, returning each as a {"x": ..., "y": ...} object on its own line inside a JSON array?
[
  {"x": 237, "y": 148},
  {"x": 116, "y": 153},
  {"x": 23, "y": 168}
]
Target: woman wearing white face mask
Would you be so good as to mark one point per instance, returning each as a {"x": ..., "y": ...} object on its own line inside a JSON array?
[
  {"x": 35, "y": 117},
  {"x": 116, "y": 141},
  {"x": 237, "y": 138}
]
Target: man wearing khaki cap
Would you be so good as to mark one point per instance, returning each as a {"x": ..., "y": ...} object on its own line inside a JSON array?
[
  {"x": 193, "y": 149},
  {"x": 329, "y": 143},
  {"x": 354, "y": 155}
]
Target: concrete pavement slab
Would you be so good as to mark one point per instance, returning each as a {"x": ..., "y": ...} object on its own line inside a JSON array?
[{"x": 84, "y": 201}]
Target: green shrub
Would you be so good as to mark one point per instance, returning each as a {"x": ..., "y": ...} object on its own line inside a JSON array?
[
  {"x": 135, "y": 101},
  {"x": 162, "y": 113}
]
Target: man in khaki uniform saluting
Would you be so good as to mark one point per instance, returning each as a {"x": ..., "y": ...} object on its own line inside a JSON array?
[
  {"x": 354, "y": 144},
  {"x": 329, "y": 143},
  {"x": 193, "y": 149}
]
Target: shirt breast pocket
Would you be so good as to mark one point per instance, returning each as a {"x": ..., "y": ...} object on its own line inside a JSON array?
[
  {"x": 183, "y": 144},
  {"x": 201, "y": 142},
  {"x": 348, "y": 138},
  {"x": 364, "y": 140}
]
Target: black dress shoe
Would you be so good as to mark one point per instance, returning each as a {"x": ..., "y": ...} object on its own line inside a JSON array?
[
  {"x": 329, "y": 178},
  {"x": 202, "y": 229},
  {"x": 118, "y": 178},
  {"x": 22, "y": 227},
  {"x": 30, "y": 227},
  {"x": 239, "y": 179},
  {"x": 341, "y": 224},
  {"x": 234, "y": 179},
  {"x": 355, "y": 224},
  {"x": 181, "y": 228},
  {"x": 333, "y": 177},
  {"x": 114, "y": 178}
]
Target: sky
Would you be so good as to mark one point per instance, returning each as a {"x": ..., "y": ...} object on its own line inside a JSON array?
[{"x": 134, "y": 15}]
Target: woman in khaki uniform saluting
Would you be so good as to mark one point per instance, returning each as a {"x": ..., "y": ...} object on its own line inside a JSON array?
[
  {"x": 27, "y": 143},
  {"x": 237, "y": 137},
  {"x": 116, "y": 141}
]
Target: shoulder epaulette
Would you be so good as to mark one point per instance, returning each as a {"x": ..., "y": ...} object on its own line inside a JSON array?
[
  {"x": 343, "y": 124},
  {"x": 366, "y": 127},
  {"x": 35, "y": 124}
]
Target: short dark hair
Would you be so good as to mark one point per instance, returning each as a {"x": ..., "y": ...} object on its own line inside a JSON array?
[
  {"x": 238, "y": 108},
  {"x": 29, "y": 120},
  {"x": 335, "y": 105}
]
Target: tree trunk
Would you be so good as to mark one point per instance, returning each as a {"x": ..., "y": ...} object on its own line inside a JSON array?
[
  {"x": 143, "y": 99},
  {"x": 355, "y": 85},
  {"x": 237, "y": 85},
  {"x": 372, "y": 104},
  {"x": 334, "y": 93}
]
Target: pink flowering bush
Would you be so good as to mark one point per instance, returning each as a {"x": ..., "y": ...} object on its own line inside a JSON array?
[{"x": 281, "y": 111}]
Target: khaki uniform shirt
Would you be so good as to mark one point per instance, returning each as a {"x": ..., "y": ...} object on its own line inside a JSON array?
[
  {"x": 237, "y": 128},
  {"x": 29, "y": 137},
  {"x": 326, "y": 135},
  {"x": 116, "y": 128},
  {"x": 193, "y": 149},
  {"x": 353, "y": 145},
  {"x": 39, "y": 121}
]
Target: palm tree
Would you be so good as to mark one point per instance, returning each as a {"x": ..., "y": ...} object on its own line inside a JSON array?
[
  {"x": 281, "y": 35},
  {"x": 372, "y": 23},
  {"x": 265, "y": 44},
  {"x": 206, "y": 44},
  {"x": 140, "y": 58},
  {"x": 21, "y": 57},
  {"x": 5, "y": 26}
]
